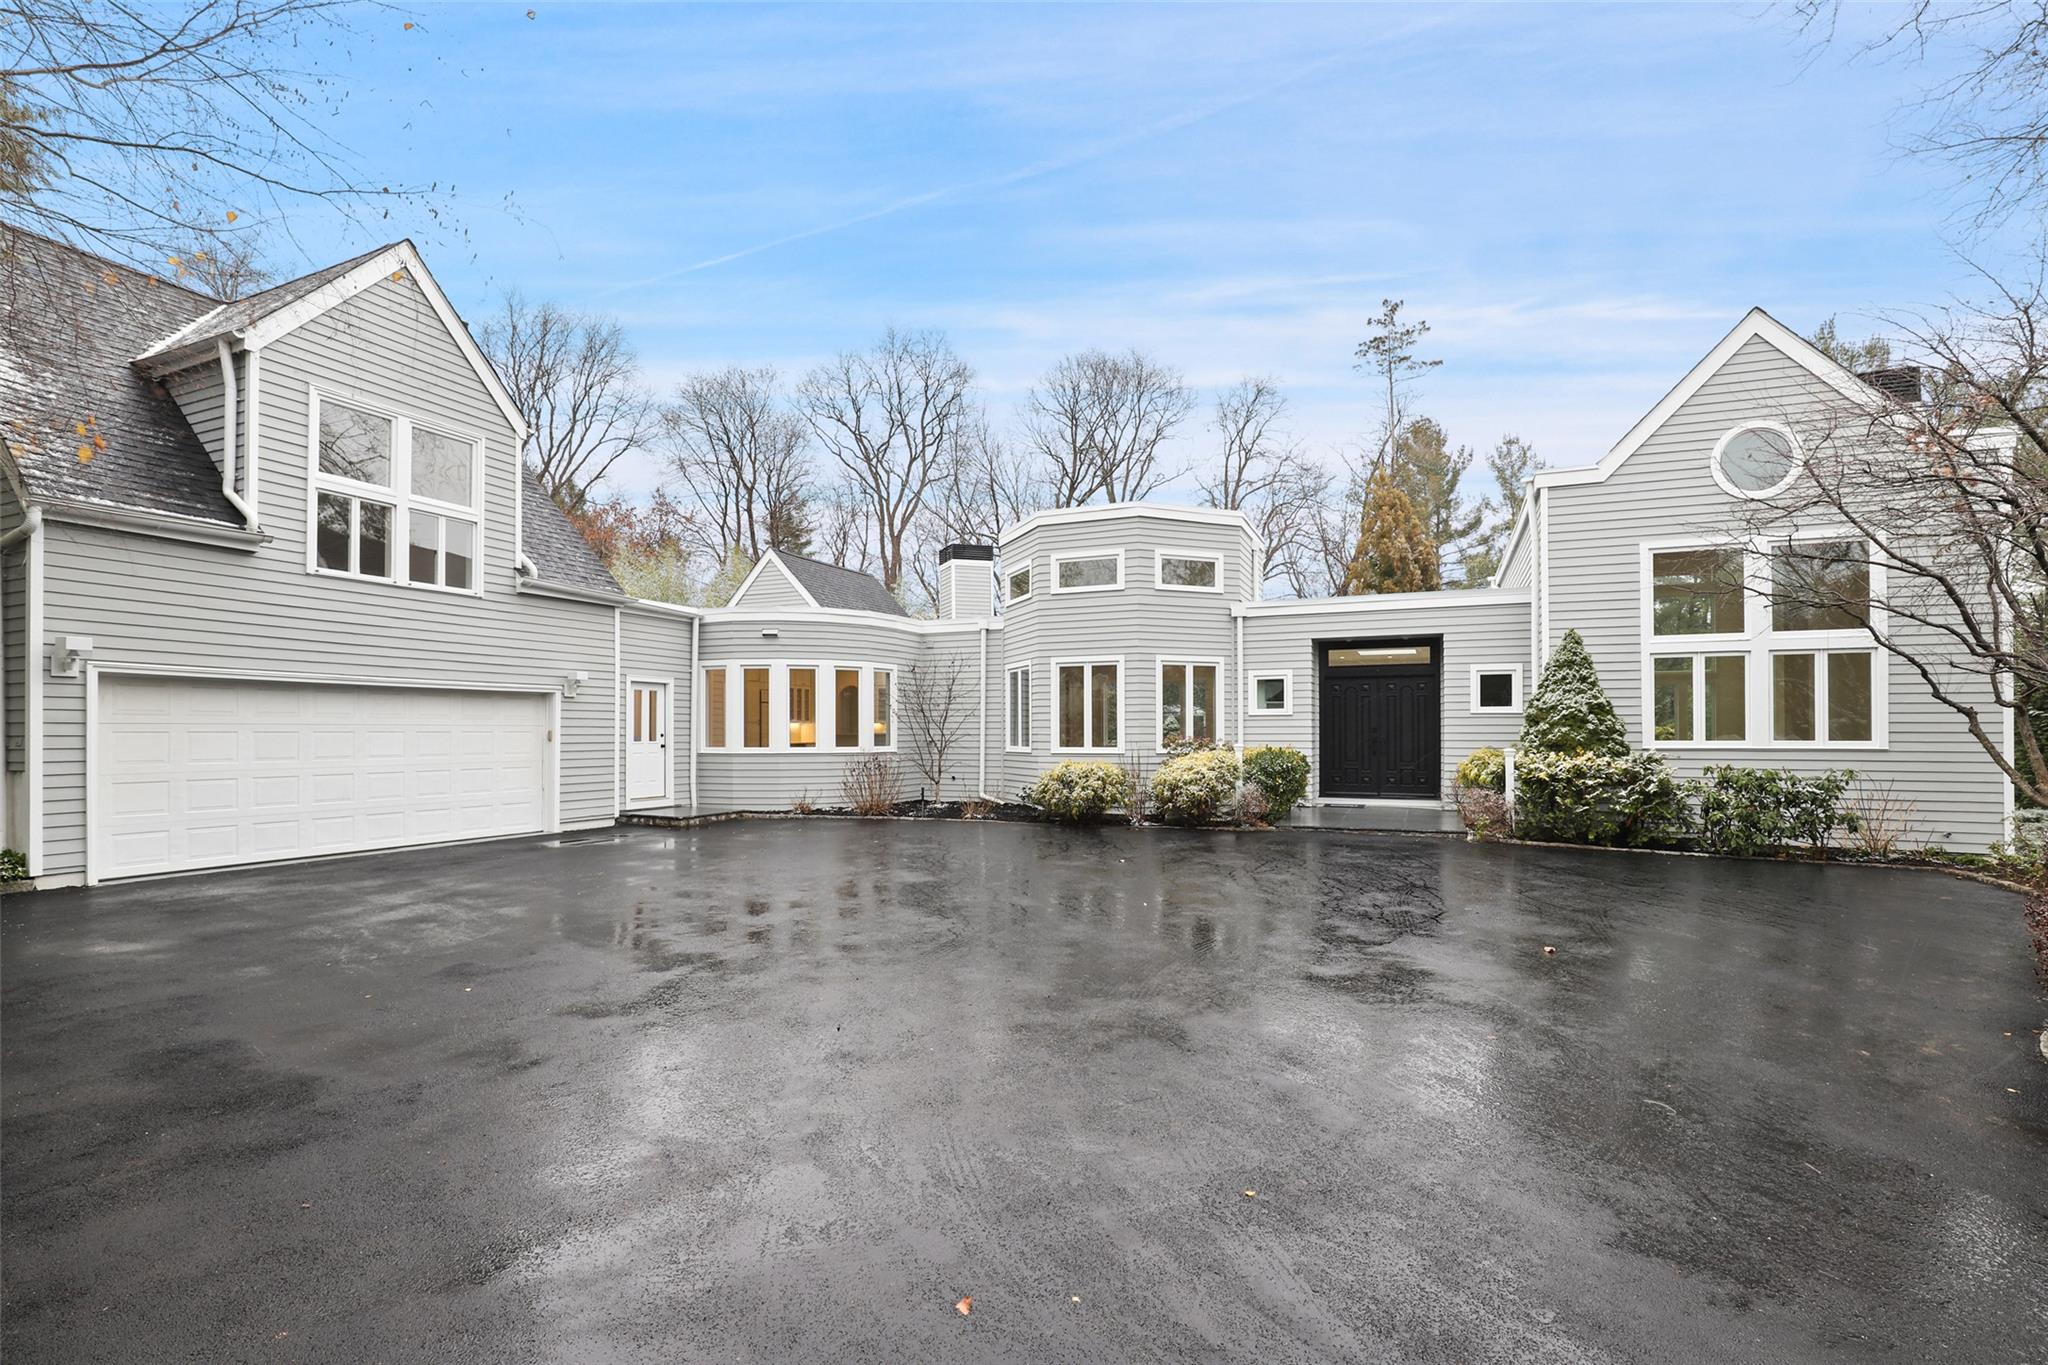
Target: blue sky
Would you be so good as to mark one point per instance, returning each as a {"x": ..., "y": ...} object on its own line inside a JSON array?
[{"x": 1580, "y": 200}]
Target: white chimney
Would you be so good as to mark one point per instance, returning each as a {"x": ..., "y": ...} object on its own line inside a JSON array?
[{"x": 967, "y": 582}]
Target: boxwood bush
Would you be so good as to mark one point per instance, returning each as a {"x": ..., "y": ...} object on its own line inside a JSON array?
[
  {"x": 1590, "y": 798},
  {"x": 1484, "y": 770},
  {"x": 1196, "y": 788},
  {"x": 1079, "y": 789},
  {"x": 1281, "y": 776},
  {"x": 1747, "y": 811}
]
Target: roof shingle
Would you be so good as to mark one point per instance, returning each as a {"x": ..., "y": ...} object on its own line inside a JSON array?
[{"x": 838, "y": 588}]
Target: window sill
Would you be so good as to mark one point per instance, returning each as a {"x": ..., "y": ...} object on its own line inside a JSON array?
[
  {"x": 319, "y": 572},
  {"x": 1071, "y": 592},
  {"x": 1283, "y": 711},
  {"x": 1087, "y": 753},
  {"x": 1496, "y": 711}
]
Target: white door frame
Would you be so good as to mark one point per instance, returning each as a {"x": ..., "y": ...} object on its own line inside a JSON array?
[
  {"x": 551, "y": 799},
  {"x": 668, "y": 732}
]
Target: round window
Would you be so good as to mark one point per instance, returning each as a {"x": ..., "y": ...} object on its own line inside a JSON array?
[{"x": 1755, "y": 460}]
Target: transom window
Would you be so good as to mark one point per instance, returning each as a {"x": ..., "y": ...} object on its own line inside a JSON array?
[
  {"x": 1189, "y": 573},
  {"x": 1272, "y": 694},
  {"x": 1089, "y": 703},
  {"x": 1696, "y": 592},
  {"x": 782, "y": 707},
  {"x": 1187, "y": 702},
  {"x": 383, "y": 481},
  {"x": 1018, "y": 707},
  {"x": 1756, "y": 460},
  {"x": 1087, "y": 573},
  {"x": 1820, "y": 585}
]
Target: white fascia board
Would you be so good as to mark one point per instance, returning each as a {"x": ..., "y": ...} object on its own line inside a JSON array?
[
  {"x": 401, "y": 256},
  {"x": 1754, "y": 325},
  {"x": 1515, "y": 537},
  {"x": 841, "y": 615},
  {"x": 1058, "y": 516},
  {"x": 1388, "y": 601}
]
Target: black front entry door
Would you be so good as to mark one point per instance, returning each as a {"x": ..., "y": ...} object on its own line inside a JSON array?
[{"x": 1380, "y": 731}]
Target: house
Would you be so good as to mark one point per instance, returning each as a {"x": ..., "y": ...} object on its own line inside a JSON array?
[{"x": 273, "y": 584}]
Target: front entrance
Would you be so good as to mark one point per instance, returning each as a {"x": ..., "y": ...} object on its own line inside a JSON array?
[
  {"x": 647, "y": 765},
  {"x": 1379, "y": 717}
]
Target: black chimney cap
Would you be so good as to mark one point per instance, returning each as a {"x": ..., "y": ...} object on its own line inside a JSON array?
[
  {"x": 1900, "y": 383},
  {"x": 952, "y": 552}
]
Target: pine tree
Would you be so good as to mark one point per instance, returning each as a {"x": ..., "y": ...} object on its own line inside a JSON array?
[
  {"x": 1394, "y": 552},
  {"x": 1570, "y": 713}
]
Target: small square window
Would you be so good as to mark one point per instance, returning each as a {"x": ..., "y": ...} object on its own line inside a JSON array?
[
  {"x": 1496, "y": 690},
  {"x": 1270, "y": 693}
]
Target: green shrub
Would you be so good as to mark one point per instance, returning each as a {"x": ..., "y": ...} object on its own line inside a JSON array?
[
  {"x": 1570, "y": 714},
  {"x": 1587, "y": 798},
  {"x": 1747, "y": 811},
  {"x": 13, "y": 867},
  {"x": 1080, "y": 789},
  {"x": 1281, "y": 776},
  {"x": 1484, "y": 770},
  {"x": 1196, "y": 788}
]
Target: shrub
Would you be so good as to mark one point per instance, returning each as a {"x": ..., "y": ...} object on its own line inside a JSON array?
[
  {"x": 1570, "y": 714},
  {"x": 1281, "y": 776},
  {"x": 2023, "y": 856},
  {"x": 1252, "y": 808},
  {"x": 1196, "y": 788},
  {"x": 1080, "y": 789},
  {"x": 871, "y": 785},
  {"x": 1484, "y": 770},
  {"x": 1485, "y": 812},
  {"x": 1747, "y": 811},
  {"x": 1590, "y": 798},
  {"x": 1880, "y": 820},
  {"x": 13, "y": 867}
]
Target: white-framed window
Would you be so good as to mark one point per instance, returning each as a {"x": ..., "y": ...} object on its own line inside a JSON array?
[
  {"x": 1017, "y": 710},
  {"x": 1190, "y": 691},
  {"x": 1018, "y": 583},
  {"x": 1272, "y": 694},
  {"x": 796, "y": 707},
  {"x": 1756, "y": 460},
  {"x": 1088, "y": 572},
  {"x": 1088, "y": 705},
  {"x": 391, "y": 498},
  {"x": 1496, "y": 689},
  {"x": 1183, "y": 572},
  {"x": 1763, "y": 643}
]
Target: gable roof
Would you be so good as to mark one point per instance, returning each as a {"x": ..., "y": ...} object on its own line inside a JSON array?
[
  {"x": 554, "y": 545},
  {"x": 82, "y": 424},
  {"x": 232, "y": 318},
  {"x": 830, "y": 587}
]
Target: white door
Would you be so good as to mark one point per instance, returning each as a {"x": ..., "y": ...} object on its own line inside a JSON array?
[
  {"x": 208, "y": 772},
  {"x": 647, "y": 766}
]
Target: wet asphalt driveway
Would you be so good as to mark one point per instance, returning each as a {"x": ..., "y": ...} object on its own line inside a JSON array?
[{"x": 786, "y": 1091}]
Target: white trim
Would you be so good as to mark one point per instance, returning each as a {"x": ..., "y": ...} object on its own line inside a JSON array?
[
  {"x": 695, "y": 730},
  {"x": 1161, "y": 554},
  {"x": 34, "y": 646},
  {"x": 1384, "y": 601},
  {"x": 668, "y": 768},
  {"x": 156, "y": 525},
  {"x": 1218, "y": 696},
  {"x": 397, "y": 495},
  {"x": 740, "y": 593},
  {"x": 1514, "y": 708},
  {"x": 1060, "y": 516},
  {"x": 1755, "y": 324},
  {"x": 1010, "y": 709},
  {"x": 1053, "y": 585},
  {"x": 1542, "y": 603},
  {"x": 1123, "y": 685},
  {"x": 1507, "y": 557},
  {"x": 1251, "y": 700},
  {"x": 910, "y": 625},
  {"x": 551, "y": 798},
  {"x": 618, "y": 717},
  {"x": 252, "y": 446},
  {"x": 1729, "y": 487}
]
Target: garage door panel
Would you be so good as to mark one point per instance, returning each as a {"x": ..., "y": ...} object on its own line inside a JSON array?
[{"x": 205, "y": 773}]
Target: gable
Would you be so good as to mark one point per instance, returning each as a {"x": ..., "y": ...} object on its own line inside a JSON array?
[{"x": 769, "y": 585}]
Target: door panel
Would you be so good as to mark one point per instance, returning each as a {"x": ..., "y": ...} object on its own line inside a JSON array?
[
  {"x": 647, "y": 764},
  {"x": 1379, "y": 732}
]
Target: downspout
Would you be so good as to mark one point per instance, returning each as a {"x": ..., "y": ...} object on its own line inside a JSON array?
[
  {"x": 981, "y": 724},
  {"x": 1244, "y": 696},
  {"x": 232, "y": 400},
  {"x": 696, "y": 679},
  {"x": 30, "y": 530}
]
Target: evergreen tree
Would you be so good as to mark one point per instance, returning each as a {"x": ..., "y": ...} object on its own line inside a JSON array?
[
  {"x": 1570, "y": 714},
  {"x": 1394, "y": 552},
  {"x": 1428, "y": 469}
]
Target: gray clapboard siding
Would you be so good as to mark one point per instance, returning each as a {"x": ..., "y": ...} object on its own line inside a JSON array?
[
  {"x": 1665, "y": 489},
  {"x": 1479, "y": 627},
  {"x": 771, "y": 590},
  {"x": 655, "y": 644}
]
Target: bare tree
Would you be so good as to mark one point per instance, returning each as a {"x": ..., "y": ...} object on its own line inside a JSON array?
[
  {"x": 1098, "y": 421},
  {"x": 1947, "y": 493},
  {"x": 1261, "y": 473},
  {"x": 576, "y": 381},
  {"x": 1989, "y": 119},
  {"x": 146, "y": 130},
  {"x": 986, "y": 486},
  {"x": 744, "y": 456},
  {"x": 890, "y": 415},
  {"x": 936, "y": 707},
  {"x": 845, "y": 531},
  {"x": 229, "y": 267}
]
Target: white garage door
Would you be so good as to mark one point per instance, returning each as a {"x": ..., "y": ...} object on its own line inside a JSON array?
[{"x": 204, "y": 772}]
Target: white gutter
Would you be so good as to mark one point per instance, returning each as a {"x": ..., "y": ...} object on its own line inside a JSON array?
[
  {"x": 30, "y": 530},
  {"x": 228, "y": 434}
]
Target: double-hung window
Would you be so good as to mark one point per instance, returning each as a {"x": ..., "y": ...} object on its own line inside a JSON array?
[
  {"x": 1088, "y": 704},
  {"x": 1018, "y": 710},
  {"x": 393, "y": 499},
  {"x": 1187, "y": 702}
]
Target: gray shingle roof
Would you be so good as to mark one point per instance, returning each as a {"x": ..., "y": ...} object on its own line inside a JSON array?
[
  {"x": 838, "y": 588},
  {"x": 555, "y": 546},
  {"x": 228, "y": 318},
  {"x": 69, "y": 324}
]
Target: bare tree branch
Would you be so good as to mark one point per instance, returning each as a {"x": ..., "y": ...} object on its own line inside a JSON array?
[
  {"x": 1098, "y": 420},
  {"x": 744, "y": 456}
]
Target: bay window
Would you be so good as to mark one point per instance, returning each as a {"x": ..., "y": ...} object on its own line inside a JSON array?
[
  {"x": 381, "y": 482},
  {"x": 846, "y": 708},
  {"x": 1187, "y": 702},
  {"x": 786, "y": 707},
  {"x": 1090, "y": 704}
]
